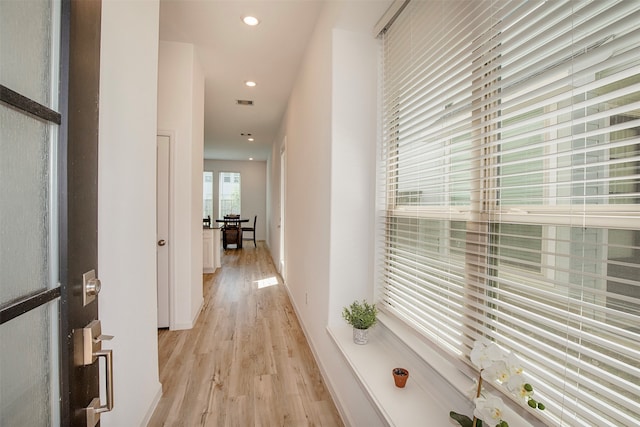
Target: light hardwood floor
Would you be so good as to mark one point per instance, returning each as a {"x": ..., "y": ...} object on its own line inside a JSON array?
[{"x": 246, "y": 362}]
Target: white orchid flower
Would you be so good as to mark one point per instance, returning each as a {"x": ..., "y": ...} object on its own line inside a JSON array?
[
  {"x": 489, "y": 410},
  {"x": 519, "y": 387},
  {"x": 498, "y": 371},
  {"x": 503, "y": 367},
  {"x": 513, "y": 362},
  {"x": 484, "y": 353}
]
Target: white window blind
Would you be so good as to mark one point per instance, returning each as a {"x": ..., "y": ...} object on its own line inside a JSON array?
[{"x": 509, "y": 200}]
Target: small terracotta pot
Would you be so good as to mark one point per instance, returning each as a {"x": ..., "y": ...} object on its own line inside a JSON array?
[{"x": 400, "y": 376}]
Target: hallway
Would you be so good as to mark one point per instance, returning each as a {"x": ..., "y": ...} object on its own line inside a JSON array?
[{"x": 246, "y": 362}]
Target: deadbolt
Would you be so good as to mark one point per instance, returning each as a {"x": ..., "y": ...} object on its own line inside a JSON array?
[{"x": 90, "y": 287}]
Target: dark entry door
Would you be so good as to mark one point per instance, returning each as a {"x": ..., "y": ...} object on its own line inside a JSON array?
[{"x": 49, "y": 75}]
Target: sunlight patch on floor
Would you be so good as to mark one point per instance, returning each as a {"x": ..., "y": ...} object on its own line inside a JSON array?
[{"x": 265, "y": 283}]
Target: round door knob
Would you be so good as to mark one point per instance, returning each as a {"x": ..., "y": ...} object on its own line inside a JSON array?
[
  {"x": 161, "y": 242},
  {"x": 93, "y": 286}
]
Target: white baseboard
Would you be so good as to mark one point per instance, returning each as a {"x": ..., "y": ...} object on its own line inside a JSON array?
[
  {"x": 190, "y": 325},
  {"x": 152, "y": 407}
]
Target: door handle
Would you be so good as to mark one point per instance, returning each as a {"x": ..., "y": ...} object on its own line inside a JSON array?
[
  {"x": 108, "y": 363},
  {"x": 162, "y": 242},
  {"x": 95, "y": 409},
  {"x": 89, "y": 350}
]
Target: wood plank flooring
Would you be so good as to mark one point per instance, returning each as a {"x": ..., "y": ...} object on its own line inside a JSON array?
[{"x": 246, "y": 362}]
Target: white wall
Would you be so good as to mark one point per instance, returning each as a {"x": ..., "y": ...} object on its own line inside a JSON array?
[
  {"x": 273, "y": 194},
  {"x": 127, "y": 206},
  {"x": 253, "y": 199},
  {"x": 181, "y": 112},
  {"x": 197, "y": 155},
  {"x": 352, "y": 169},
  {"x": 330, "y": 128}
]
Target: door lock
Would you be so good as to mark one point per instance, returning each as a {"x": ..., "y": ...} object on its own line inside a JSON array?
[{"x": 92, "y": 338}]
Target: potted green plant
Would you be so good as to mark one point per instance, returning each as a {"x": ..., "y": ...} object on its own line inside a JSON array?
[{"x": 362, "y": 316}]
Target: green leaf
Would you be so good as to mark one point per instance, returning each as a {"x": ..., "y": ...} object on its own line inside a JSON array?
[
  {"x": 463, "y": 420},
  {"x": 360, "y": 315}
]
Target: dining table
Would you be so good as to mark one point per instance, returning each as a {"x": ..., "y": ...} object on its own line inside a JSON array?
[{"x": 232, "y": 231}]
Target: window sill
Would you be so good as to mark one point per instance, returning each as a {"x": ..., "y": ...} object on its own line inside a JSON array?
[
  {"x": 435, "y": 385},
  {"x": 427, "y": 395}
]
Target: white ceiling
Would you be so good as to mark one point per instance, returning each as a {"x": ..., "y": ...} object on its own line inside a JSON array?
[{"x": 231, "y": 53}]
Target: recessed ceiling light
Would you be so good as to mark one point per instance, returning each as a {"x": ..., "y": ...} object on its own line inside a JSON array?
[
  {"x": 250, "y": 83},
  {"x": 250, "y": 158},
  {"x": 250, "y": 139},
  {"x": 250, "y": 20}
]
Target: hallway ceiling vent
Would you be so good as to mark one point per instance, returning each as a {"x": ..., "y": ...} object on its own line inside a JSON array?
[{"x": 244, "y": 102}]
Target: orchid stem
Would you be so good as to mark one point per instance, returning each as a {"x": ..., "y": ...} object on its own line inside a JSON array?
[{"x": 478, "y": 391}]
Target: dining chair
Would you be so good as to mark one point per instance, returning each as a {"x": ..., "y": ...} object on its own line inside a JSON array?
[
  {"x": 251, "y": 230},
  {"x": 232, "y": 236},
  {"x": 206, "y": 222},
  {"x": 231, "y": 231}
]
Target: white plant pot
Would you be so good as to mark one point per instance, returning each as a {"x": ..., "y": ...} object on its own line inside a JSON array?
[{"x": 360, "y": 336}]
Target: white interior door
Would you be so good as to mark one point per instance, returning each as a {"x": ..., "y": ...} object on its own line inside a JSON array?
[{"x": 163, "y": 243}]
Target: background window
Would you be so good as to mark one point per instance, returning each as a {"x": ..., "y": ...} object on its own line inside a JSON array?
[
  {"x": 510, "y": 191},
  {"x": 207, "y": 195},
  {"x": 229, "y": 194}
]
